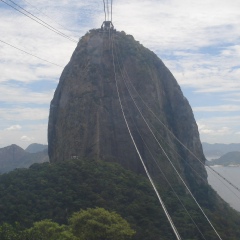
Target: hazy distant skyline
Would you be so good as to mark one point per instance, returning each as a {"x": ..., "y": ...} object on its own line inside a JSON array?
[{"x": 197, "y": 40}]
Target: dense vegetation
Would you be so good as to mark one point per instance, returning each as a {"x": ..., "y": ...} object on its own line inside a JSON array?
[
  {"x": 90, "y": 224},
  {"x": 56, "y": 191}
]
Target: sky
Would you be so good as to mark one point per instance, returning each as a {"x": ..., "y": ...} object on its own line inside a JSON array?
[{"x": 199, "y": 41}]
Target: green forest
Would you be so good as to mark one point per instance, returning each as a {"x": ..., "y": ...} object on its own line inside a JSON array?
[{"x": 52, "y": 194}]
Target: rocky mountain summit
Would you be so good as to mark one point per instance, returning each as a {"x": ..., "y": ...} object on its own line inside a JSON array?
[
  {"x": 13, "y": 156},
  {"x": 86, "y": 119},
  {"x": 36, "y": 147}
]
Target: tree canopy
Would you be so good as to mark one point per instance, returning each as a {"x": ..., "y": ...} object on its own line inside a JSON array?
[
  {"x": 100, "y": 224},
  {"x": 56, "y": 191}
]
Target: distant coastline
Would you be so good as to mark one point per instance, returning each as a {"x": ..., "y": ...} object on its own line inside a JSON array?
[{"x": 230, "y": 159}]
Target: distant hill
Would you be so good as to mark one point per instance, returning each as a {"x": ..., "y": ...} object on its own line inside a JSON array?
[
  {"x": 36, "y": 147},
  {"x": 216, "y": 150},
  {"x": 228, "y": 159},
  {"x": 12, "y": 157}
]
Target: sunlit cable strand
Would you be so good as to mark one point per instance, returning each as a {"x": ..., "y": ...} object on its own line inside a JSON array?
[
  {"x": 173, "y": 135},
  {"x": 171, "y": 162},
  {"x": 111, "y": 9},
  {"x": 162, "y": 138},
  {"x": 41, "y": 11},
  {"x": 64, "y": 35},
  {"x": 107, "y": 11},
  {"x": 221, "y": 177},
  {"x": 165, "y": 177},
  {"x": 176, "y": 170},
  {"x": 149, "y": 177},
  {"x": 104, "y": 6},
  {"x": 209, "y": 167},
  {"x": 221, "y": 180},
  {"x": 154, "y": 159},
  {"x": 43, "y": 23},
  {"x": 205, "y": 180},
  {"x": 175, "y": 193},
  {"x": 31, "y": 54},
  {"x": 172, "y": 149},
  {"x": 178, "y": 173}
]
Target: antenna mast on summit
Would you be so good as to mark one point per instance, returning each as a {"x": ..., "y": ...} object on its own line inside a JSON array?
[
  {"x": 104, "y": 10},
  {"x": 107, "y": 24},
  {"x": 111, "y": 10}
]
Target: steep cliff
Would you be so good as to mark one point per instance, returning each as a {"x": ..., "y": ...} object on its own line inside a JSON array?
[{"x": 86, "y": 119}]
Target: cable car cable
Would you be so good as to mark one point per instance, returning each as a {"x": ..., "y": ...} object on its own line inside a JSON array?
[
  {"x": 42, "y": 21},
  {"x": 163, "y": 174},
  {"x": 45, "y": 24},
  {"x": 42, "y": 12},
  {"x": 104, "y": 9},
  {"x": 30, "y": 54},
  {"x": 107, "y": 11},
  {"x": 165, "y": 177},
  {"x": 111, "y": 9},
  {"x": 171, "y": 162},
  {"x": 172, "y": 134},
  {"x": 130, "y": 133}
]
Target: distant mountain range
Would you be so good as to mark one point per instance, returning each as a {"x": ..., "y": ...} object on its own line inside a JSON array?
[
  {"x": 228, "y": 159},
  {"x": 36, "y": 147},
  {"x": 216, "y": 150},
  {"x": 12, "y": 157}
]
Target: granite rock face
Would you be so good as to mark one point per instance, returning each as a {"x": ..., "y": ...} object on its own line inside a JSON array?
[{"x": 86, "y": 119}]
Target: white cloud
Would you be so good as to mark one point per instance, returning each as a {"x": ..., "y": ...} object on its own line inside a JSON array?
[
  {"x": 198, "y": 41},
  {"x": 219, "y": 129},
  {"x": 13, "y": 128},
  {"x": 220, "y": 108},
  {"x": 28, "y": 134},
  {"x": 10, "y": 93},
  {"x": 20, "y": 114},
  {"x": 26, "y": 139}
]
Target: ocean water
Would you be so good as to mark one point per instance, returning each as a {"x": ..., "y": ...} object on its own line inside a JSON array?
[{"x": 226, "y": 191}]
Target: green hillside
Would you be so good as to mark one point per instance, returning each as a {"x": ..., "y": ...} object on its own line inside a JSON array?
[{"x": 55, "y": 191}]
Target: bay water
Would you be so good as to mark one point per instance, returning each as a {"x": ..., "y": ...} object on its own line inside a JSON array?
[{"x": 226, "y": 191}]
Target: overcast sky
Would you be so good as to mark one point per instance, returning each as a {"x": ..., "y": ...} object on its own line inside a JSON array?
[{"x": 198, "y": 41}]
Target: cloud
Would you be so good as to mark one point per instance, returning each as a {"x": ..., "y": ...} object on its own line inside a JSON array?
[
  {"x": 220, "y": 108},
  {"x": 198, "y": 42},
  {"x": 10, "y": 93},
  {"x": 26, "y": 138},
  {"x": 13, "y": 128},
  {"x": 219, "y": 129},
  {"x": 29, "y": 133},
  {"x": 20, "y": 114},
  {"x": 204, "y": 129}
]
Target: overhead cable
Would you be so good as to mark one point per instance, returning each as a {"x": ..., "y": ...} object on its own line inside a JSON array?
[
  {"x": 170, "y": 159},
  {"x": 111, "y": 9},
  {"x": 41, "y": 11},
  {"x": 41, "y": 22},
  {"x": 107, "y": 11},
  {"x": 104, "y": 6},
  {"x": 174, "y": 166},
  {"x": 30, "y": 54},
  {"x": 173, "y": 135},
  {"x": 151, "y": 154},
  {"x": 144, "y": 166}
]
